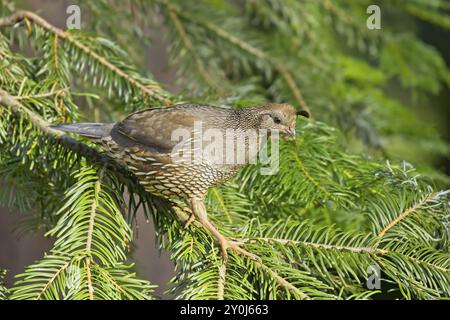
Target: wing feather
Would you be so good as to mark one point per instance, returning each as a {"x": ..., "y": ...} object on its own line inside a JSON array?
[{"x": 153, "y": 128}]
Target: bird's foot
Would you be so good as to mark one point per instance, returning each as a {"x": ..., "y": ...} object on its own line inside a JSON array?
[
  {"x": 198, "y": 209},
  {"x": 226, "y": 244},
  {"x": 189, "y": 221}
]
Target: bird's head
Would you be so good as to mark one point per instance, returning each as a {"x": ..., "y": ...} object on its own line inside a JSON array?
[{"x": 279, "y": 116}]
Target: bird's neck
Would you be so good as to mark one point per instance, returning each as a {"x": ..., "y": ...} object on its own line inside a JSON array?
[{"x": 246, "y": 118}]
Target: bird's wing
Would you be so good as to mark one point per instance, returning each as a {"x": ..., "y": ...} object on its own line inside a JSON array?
[{"x": 153, "y": 128}]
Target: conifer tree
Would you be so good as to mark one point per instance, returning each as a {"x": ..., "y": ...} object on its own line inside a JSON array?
[{"x": 342, "y": 207}]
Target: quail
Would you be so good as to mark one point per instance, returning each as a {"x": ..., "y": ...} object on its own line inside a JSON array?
[{"x": 144, "y": 143}]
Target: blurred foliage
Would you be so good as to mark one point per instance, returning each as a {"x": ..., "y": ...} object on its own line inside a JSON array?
[{"x": 2, "y": 288}]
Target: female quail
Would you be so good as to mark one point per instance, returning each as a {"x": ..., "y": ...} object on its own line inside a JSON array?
[{"x": 144, "y": 142}]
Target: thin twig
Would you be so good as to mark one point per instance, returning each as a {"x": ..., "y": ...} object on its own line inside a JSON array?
[
  {"x": 55, "y": 51},
  {"x": 360, "y": 250},
  {"x": 76, "y": 146},
  {"x": 94, "y": 205},
  {"x": 284, "y": 283},
  {"x": 38, "y": 121},
  {"x": 109, "y": 278},
  {"x": 443, "y": 269},
  {"x": 52, "y": 279},
  {"x": 279, "y": 279},
  {"x": 368, "y": 250},
  {"x": 221, "y": 281},
  {"x": 27, "y": 15},
  {"x": 308, "y": 176},
  {"x": 90, "y": 233},
  {"x": 222, "y": 204},
  {"x": 42, "y": 95},
  {"x": 89, "y": 278}
]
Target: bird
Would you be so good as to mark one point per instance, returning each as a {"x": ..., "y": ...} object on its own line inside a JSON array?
[{"x": 144, "y": 143}]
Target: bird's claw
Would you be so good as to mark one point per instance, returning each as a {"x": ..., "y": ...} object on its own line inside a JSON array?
[
  {"x": 226, "y": 245},
  {"x": 189, "y": 221}
]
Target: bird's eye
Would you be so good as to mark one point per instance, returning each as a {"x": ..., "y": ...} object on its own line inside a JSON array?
[{"x": 276, "y": 120}]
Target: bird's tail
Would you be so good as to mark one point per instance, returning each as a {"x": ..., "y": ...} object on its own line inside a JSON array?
[{"x": 90, "y": 130}]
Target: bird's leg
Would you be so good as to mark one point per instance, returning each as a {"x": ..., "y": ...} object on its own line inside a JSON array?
[
  {"x": 199, "y": 210},
  {"x": 182, "y": 211},
  {"x": 189, "y": 221}
]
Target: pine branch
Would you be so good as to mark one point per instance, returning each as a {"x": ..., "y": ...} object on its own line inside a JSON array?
[
  {"x": 28, "y": 16},
  {"x": 222, "y": 204},
  {"x": 90, "y": 232},
  {"x": 431, "y": 197},
  {"x": 76, "y": 146},
  {"x": 364, "y": 250},
  {"x": 52, "y": 280},
  {"x": 42, "y": 95},
  {"x": 360, "y": 250},
  {"x": 283, "y": 282},
  {"x": 221, "y": 281},
  {"x": 284, "y": 72},
  {"x": 328, "y": 250},
  {"x": 99, "y": 235}
]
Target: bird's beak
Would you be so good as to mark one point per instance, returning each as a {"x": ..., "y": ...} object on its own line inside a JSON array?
[{"x": 291, "y": 131}]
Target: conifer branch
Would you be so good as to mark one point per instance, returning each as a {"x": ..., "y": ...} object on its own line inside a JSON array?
[
  {"x": 90, "y": 231},
  {"x": 294, "y": 229},
  {"x": 82, "y": 149},
  {"x": 79, "y": 147},
  {"x": 221, "y": 281},
  {"x": 283, "y": 282},
  {"x": 433, "y": 265},
  {"x": 42, "y": 95},
  {"x": 222, "y": 204},
  {"x": 52, "y": 279},
  {"x": 27, "y": 15},
  {"x": 108, "y": 277},
  {"x": 308, "y": 176},
  {"x": 364, "y": 250},
  {"x": 429, "y": 197}
]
